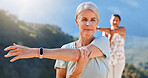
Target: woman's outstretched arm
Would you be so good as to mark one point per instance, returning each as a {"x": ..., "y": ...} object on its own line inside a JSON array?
[
  {"x": 120, "y": 30},
  {"x": 106, "y": 30},
  {"x": 22, "y": 52}
]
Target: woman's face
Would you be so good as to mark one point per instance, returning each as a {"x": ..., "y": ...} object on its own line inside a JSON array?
[
  {"x": 114, "y": 21},
  {"x": 87, "y": 22}
]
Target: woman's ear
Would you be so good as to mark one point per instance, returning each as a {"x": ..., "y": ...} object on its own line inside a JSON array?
[
  {"x": 97, "y": 21},
  {"x": 76, "y": 20}
]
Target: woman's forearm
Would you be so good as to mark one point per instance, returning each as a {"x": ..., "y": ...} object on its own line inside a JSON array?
[
  {"x": 107, "y": 30},
  {"x": 74, "y": 75},
  {"x": 59, "y": 54},
  {"x": 120, "y": 30},
  {"x": 80, "y": 64}
]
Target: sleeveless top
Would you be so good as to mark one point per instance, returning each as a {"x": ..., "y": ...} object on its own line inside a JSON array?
[{"x": 117, "y": 54}]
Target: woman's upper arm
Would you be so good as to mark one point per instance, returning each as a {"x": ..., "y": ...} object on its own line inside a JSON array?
[
  {"x": 106, "y": 35},
  {"x": 99, "y": 47},
  {"x": 107, "y": 30},
  {"x": 95, "y": 51},
  {"x": 61, "y": 73},
  {"x": 122, "y": 31}
]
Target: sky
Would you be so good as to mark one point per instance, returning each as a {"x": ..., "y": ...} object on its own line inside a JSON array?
[{"x": 62, "y": 13}]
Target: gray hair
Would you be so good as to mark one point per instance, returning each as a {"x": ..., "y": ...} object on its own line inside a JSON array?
[{"x": 87, "y": 5}]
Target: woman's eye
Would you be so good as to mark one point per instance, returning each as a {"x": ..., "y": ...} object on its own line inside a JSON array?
[
  {"x": 84, "y": 19},
  {"x": 93, "y": 20}
]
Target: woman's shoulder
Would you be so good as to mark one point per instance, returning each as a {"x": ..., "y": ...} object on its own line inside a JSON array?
[
  {"x": 101, "y": 40},
  {"x": 104, "y": 38},
  {"x": 121, "y": 27}
]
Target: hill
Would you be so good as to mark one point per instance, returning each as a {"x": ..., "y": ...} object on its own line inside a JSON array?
[
  {"x": 16, "y": 31},
  {"x": 136, "y": 49}
]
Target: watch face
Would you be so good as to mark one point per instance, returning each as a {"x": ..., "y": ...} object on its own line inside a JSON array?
[{"x": 41, "y": 51}]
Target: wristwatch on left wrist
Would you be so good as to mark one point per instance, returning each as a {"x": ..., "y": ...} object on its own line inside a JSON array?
[{"x": 41, "y": 53}]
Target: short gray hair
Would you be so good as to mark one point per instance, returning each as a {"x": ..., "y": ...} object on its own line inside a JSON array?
[{"x": 87, "y": 5}]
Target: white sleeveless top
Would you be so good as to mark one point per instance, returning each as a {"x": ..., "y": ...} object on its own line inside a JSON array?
[{"x": 117, "y": 54}]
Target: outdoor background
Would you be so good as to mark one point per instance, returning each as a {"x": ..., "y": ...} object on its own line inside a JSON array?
[{"x": 50, "y": 24}]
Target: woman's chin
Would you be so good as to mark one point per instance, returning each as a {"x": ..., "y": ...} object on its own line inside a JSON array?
[
  {"x": 115, "y": 26},
  {"x": 88, "y": 34}
]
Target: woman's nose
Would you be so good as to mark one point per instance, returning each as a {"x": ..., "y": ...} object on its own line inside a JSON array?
[
  {"x": 88, "y": 23},
  {"x": 115, "y": 21}
]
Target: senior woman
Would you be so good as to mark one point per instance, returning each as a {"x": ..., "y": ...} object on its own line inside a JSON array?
[
  {"x": 85, "y": 58},
  {"x": 116, "y": 36}
]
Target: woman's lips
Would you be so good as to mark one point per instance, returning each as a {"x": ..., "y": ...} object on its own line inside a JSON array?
[
  {"x": 115, "y": 24},
  {"x": 88, "y": 29}
]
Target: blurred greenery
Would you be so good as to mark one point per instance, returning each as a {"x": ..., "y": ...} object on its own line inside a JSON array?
[
  {"x": 29, "y": 34},
  {"x": 131, "y": 71},
  {"x": 17, "y": 31},
  {"x": 136, "y": 49}
]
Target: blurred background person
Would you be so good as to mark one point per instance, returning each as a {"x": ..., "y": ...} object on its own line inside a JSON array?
[{"x": 116, "y": 36}]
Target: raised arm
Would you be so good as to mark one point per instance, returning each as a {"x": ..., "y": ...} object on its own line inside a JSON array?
[
  {"x": 120, "y": 30},
  {"x": 22, "y": 52},
  {"x": 96, "y": 48},
  {"x": 80, "y": 64},
  {"x": 107, "y": 30}
]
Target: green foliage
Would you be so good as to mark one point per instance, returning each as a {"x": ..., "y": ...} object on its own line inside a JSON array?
[
  {"x": 32, "y": 35},
  {"x": 136, "y": 50},
  {"x": 131, "y": 71}
]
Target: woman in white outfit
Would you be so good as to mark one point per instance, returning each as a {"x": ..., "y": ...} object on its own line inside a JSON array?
[{"x": 116, "y": 36}]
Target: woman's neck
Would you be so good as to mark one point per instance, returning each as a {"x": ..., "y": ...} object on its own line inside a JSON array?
[{"x": 83, "y": 41}]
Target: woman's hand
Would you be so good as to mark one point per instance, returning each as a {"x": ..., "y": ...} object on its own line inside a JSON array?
[
  {"x": 83, "y": 60},
  {"x": 19, "y": 51},
  {"x": 81, "y": 63}
]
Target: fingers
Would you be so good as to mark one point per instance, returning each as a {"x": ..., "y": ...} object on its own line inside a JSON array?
[
  {"x": 13, "y": 47},
  {"x": 84, "y": 52},
  {"x": 12, "y": 51},
  {"x": 15, "y": 58},
  {"x": 18, "y": 51},
  {"x": 14, "y": 44},
  {"x": 88, "y": 53},
  {"x": 12, "y": 54},
  {"x": 9, "y": 48}
]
